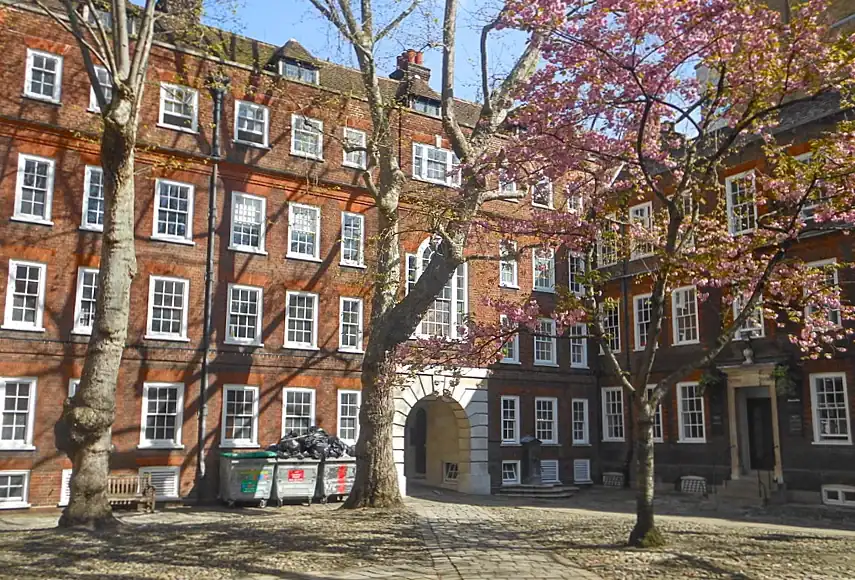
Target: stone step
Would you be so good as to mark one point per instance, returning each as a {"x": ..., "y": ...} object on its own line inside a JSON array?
[{"x": 545, "y": 491}]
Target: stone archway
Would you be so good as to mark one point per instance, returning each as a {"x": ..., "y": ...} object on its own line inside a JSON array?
[{"x": 456, "y": 431}]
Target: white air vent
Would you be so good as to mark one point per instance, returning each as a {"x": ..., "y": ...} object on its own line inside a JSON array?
[
  {"x": 65, "y": 488},
  {"x": 838, "y": 495},
  {"x": 582, "y": 471},
  {"x": 164, "y": 480},
  {"x": 549, "y": 471}
]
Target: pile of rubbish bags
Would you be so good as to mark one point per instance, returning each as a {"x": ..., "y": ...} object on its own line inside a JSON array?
[{"x": 315, "y": 444}]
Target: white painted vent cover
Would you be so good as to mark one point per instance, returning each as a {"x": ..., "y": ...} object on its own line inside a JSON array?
[
  {"x": 164, "y": 480},
  {"x": 549, "y": 471},
  {"x": 582, "y": 471},
  {"x": 65, "y": 488},
  {"x": 838, "y": 495}
]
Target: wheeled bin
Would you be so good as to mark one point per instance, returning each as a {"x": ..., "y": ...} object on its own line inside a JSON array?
[
  {"x": 295, "y": 478},
  {"x": 339, "y": 475},
  {"x": 247, "y": 477}
]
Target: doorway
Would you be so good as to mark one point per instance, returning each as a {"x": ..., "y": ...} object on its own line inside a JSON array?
[
  {"x": 418, "y": 442},
  {"x": 761, "y": 445}
]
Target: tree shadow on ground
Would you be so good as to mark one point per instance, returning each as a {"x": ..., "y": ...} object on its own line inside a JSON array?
[{"x": 290, "y": 543}]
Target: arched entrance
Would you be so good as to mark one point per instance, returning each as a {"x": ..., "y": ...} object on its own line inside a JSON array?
[{"x": 440, "y": 434}]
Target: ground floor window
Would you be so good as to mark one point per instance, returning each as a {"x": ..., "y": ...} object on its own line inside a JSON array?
[
  {"x": 510, "y": 472},
  {"x": 838, "y": 495},
  {"x": 450, "y": 472},
  {"x": 14, "y": 489}
]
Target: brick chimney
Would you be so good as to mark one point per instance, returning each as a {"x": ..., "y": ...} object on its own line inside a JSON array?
[{"x": 411, "y": 66}]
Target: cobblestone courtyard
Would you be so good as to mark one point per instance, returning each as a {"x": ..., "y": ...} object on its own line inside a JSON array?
[{"x": 441, "y": 536}]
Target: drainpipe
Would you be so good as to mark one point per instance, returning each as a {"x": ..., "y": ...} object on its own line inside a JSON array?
[{"x": 217, "y": 84}]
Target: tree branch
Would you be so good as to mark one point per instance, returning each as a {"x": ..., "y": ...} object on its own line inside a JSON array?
[{"x": 396, "y": 21}]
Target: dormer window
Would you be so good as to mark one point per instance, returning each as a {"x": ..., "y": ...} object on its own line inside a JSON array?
[
  {"x": 427, "y": 106},
  {"x": 298, "y": 71}
]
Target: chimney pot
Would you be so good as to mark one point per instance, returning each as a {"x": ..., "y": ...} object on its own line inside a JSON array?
[
  {"x": 420, "y": 57},
  {"x": 410, "y": 55}
]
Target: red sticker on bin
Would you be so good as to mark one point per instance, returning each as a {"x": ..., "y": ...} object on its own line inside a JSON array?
[{"x": 296, "y": 475}]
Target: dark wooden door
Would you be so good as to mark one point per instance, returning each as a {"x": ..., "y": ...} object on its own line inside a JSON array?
[
  {"x": 418, "y": 440},
  {"x": 761, "y": 444}
]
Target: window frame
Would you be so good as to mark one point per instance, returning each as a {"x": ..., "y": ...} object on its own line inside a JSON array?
[
  {"x": 675, "y": 323},
  {"x": 228, "y": 339},
  {"x": 634, "y": 254},
  {"x": 24, "y": 502},
  {"x": 514, "y": 341},
  {"x": 584, "y": 341},
  {"x": 551, "y": 193},
  {"x": 413, "y": 268},
  {"x": 657, "y": 416},
  {"x": 615, "y": 336},
  {"x": 730, "y": 206},
  {"x": 315, "y": 316},
  {"x": 681, "y": 422},
  {"x": 836, "y": 275},
  {"x": 262, "y": 234},
  {"x": 516, "y": 421},
  {"x": 363, "y": 155},
  {"x": 176, "y": 442},
  {"x": 606, "y": 436},
  {"x": 186, "y": 239},
  {"x": 78, "y": 299},
  {"x": 302, "y": 66},
  {"x": 313, "y": 408},
  {"x": 553, "y": 401},
  {"x": 151, "y": 335},
  {"x": 17, "y": 214},
  {"x": 316, "y": 256},
  {"x": 339, "y": 415},
  {"x": 319, "y": 127},
  {"x": 226, "y": 443},
  {"x": 586, "y": 423},
  {"x": 27, "y": 444},
  {"x": 553, "y": 361},
  {"x": 360, "y": 333},
  {"x": 87, "y": 182},
  {"x": 452, "y": 178},
  {"x": 194, "y": 118},
  {"x": 56, "y": 98},
  {"x": 517, "y": 479},
  {"x": 743, "y": 332},
  {"x": 93, "y": 100},
  {"x": 350, "y": 263},
  {"x": 8, "y": 323},
  {"x": 265, "y": 137},
  {"x": 550, "y": 288},
  {"x": 504, "y": 246},
  {"x": 576, "y": 288},
  {"x": 636, "y": 311},
  {"x": 817, "y": 436}
]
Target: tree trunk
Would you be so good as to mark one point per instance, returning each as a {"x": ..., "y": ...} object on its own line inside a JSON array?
[
  {"x": 88, "y": 417},
  {"x": 376, "y": 482},
  {"x": 644, "y": 534}
]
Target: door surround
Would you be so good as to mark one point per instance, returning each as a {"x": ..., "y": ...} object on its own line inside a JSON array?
[{"x": 751, "y": 375}]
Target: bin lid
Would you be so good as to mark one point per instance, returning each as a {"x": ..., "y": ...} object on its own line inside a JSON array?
[{"x": 248, "y": 454}]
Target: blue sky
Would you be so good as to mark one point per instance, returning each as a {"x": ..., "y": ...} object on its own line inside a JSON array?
[{"x": 275, "y": 21}]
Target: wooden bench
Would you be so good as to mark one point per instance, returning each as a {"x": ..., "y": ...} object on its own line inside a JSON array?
[{"x": 131, "y": 489}]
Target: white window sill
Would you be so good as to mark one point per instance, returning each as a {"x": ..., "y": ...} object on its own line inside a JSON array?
[
  {"x": 190, "y": 130},
  {"x": 166, "y": 338},
  {"x": 239, "y": 343},
  {"x": 353, "y": 166},
  {"x": 88, "y": 228},
  {"x": 655, "y": 440},
  {"x": 96, "y": 111},
  {"x": 308, "y": 156},
  {"x": 581, "y": 367},
  {"x": 640, "y": 256},
  {"x": 248, "y": 250},
  {"x": 541, "y": 206},
  {"x": 252, "y": 144},
  {"x": 510, "y": 286},
  {"x": 352, "y": 265},
  {"x": 753, "y": 337},
  {"x": 42, "y": 99},
  {"x": 302, "y": 257},
  {"x": 81, "y": 331},
  {"x": 351, "y": 350},
  {"x": 232, "y": 445},
  {"x": 687, "y": 343},
  {"x": 13, "y": 505},
  {"x": 509, "y": 362},
  {"x": 621, "y": 440},
  {"x": 31, "y": 220},
  {"x": 574, "y": 444},
  {"x": 300, "y": 347},
  {"x": 546, "y": 364},
  {"x": 161, "y": 446},
  {"x": 511, "y": 444},
  {"x": 504, "y": 483},
  {"x": 23, "y": 328},
  {"x": 169, "y": 240},
  {"x": 550, "y": 444},
  {"x": 547, "y": 290},
  {"x": 691, "y": 441},
  {"x": 19, "y": 447},
  {"x": 840, "y": 443}
]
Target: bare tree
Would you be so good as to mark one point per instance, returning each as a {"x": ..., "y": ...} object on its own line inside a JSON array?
[
  {"x": 117, "y": 36},
  {"x": 393, "y": 317}
]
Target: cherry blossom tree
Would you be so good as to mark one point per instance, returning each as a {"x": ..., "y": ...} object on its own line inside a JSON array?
[{"x": 653, "y": 102}]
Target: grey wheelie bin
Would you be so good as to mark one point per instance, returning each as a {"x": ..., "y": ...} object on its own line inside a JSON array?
[
  {"x": 247, "y": 477},
  {"x": 295, "y": 479},
  {"x": 338, "y": 478}
]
